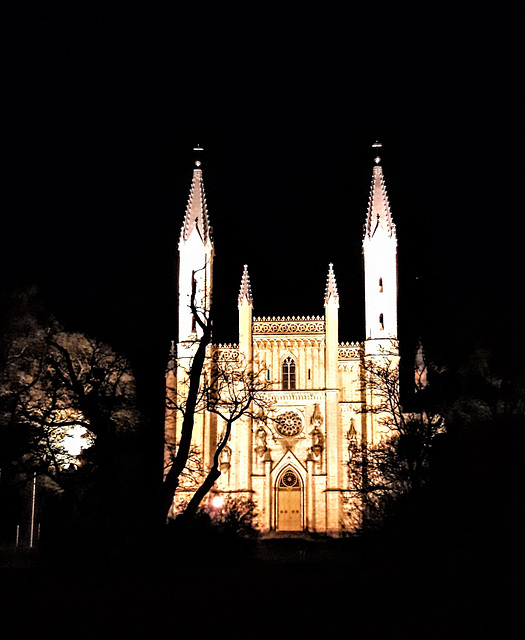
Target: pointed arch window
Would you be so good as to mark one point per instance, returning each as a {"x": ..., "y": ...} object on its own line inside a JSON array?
[
  {"x": 289, "y": 373},
  {"x": 381, "y": 322},
  {"x": 289, "y": 480},
  {"x": 380, "y": 285}
]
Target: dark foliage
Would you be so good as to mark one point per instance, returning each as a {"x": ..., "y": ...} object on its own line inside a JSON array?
[{"x": 222, "y": 534}]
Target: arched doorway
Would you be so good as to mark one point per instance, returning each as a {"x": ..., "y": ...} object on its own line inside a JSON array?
[{"x": 289, "y": 501}]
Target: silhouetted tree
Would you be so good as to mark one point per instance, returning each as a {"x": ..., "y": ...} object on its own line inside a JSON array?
[
  {"x": 231, "y": 391},
  {"x": 399, "y": 463},
  {"x": 179, "y": 458},
  {"x": 56, "y": 386},
  {"x": 477, "y": 472}
]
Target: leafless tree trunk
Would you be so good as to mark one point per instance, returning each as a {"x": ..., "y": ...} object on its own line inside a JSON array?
[
  {"x": 212, "y": 477},
  {"x": 233, "y": 393},
  {"x": 398, "y": 463},
  {"x": 172, "y": 478}
]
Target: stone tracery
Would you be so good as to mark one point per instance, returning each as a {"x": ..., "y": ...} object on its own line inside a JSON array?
[{"x": 289, "y": 423}]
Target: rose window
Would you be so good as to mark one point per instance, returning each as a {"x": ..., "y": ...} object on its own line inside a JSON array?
[
  {"x": 289, "y": 480},
  {"x": 289, "y": 423}
]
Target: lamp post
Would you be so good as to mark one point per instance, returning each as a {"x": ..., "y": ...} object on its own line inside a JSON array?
[{"x": 33, "y": 503}]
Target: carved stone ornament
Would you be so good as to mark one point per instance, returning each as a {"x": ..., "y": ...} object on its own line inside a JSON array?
[
  {"x": 317, "y": 442},
  {"x": 352, "y": 441},
  {"x": 225, "y": 458},
  {"x": 289, "y": 480},
  {"x": 288, "y": 325},
  {"x": 316, "y": 434},
  {"x": 289, "y": 423},
  {"x": 350, "y": 351},
  {"x": 226, "y": 353},
  {"x": 317, "y": 416},
  {"x": 260, "y": 439}
]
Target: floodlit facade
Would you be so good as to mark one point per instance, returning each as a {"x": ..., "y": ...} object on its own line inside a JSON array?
[{"x": 293, "y": 460}]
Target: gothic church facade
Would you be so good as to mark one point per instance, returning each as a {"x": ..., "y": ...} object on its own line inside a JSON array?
[{"x": 294, "y": 465}]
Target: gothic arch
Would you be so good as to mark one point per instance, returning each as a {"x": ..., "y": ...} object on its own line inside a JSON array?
[
  {"x": 287, "y": 354},
  {"x": 289, "y": 372},
  {"x": 289, "y": 500},
  {"x": 289, "y": 460},
  {"x": 289, "y": 478}
]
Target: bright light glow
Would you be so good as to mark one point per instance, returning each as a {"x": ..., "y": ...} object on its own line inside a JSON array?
[
  {"x": 217, "y": 502},
  {"x": 75, "y": 440}
]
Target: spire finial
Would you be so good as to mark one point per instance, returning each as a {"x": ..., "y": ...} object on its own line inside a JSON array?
[
  {"x": 378, "y": 215},
  {"x": 198, "y": 149},
  {"x": 377, "y": 145},
  {"x": 331, "y": 286},
  {"x": 196, "y": 210},
  {"x": 246, "y": 289}
]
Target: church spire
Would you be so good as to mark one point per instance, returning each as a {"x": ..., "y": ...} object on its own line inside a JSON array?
[
  {"x": 379, "y": 217},
  {"x": 196, "y": 217},
  {"x": 195, "y": 260},
  {"x": 380, "y": 262},
  {"x": 245, "y": 292},
  {"x": 331, "y": 286},
  {"x": 245, "y": 306}
]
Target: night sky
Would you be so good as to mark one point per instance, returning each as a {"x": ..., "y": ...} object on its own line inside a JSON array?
[{"x": 103, "y": 110}]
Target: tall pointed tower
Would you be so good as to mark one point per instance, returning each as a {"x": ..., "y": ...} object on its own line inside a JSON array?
[
  {"x": 333, "y": 431},
  {"x": 380, "y": 267},
  {"x": 195, "y": 272},
  {"x": 245, "y": 306},
  {"x": 242, "y": 436},
  {"x": 195, "y": 264}
]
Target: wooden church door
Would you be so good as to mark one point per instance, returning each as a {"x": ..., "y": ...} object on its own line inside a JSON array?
[{"x": 289, "y": 502}]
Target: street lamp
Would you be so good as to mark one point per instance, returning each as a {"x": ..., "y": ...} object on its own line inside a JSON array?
[{"x": 217, "y": 502}]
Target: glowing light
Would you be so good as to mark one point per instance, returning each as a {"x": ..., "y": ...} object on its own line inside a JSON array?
[
  {"x": 75, "y": 440},
  {"x": 217, "y": 502}
]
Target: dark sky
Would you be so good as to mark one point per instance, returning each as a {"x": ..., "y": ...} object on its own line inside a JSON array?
[{"x": 103, "y": 110}]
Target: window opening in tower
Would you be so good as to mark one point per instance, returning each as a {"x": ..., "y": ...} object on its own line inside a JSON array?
[{"x": 289, "y": 373}]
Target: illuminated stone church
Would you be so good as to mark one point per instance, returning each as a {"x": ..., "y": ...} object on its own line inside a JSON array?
[{"x": 294, "y": 465}]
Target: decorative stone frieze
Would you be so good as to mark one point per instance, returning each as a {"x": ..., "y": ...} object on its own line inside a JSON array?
[
  {"x": 285, "y": 342},
  {"x": 304, "y": 324},
  {"x": 350, "y": 350},
  {"x": 350, "y": 409},
  {"x": 278, "y": 397},
  {"x": 226, "y": 352}
]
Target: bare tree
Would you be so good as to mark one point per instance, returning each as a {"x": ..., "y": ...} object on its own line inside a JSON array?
[
  {"x": 233, "y": 392},
  {"x": 56, "y": 387},
  {"x": 229, "y": 390},
  {"x": 398, "y": 463},
  {"x": 180, "y": 458}
]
